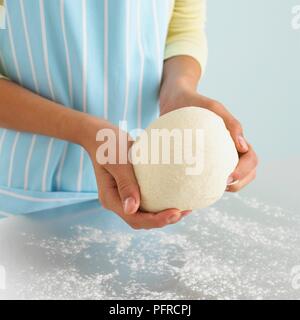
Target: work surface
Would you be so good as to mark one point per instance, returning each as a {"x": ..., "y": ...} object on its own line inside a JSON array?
[{"x": 243, "y": 247}]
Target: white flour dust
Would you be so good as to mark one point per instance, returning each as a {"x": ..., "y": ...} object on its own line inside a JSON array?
[{"x": 240, "y": 248}]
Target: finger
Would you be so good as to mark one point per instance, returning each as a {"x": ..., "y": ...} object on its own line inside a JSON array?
[
  {"x": 248, "y": 161},
  {"x": 233, "y": 125},
  {"x": 127, "y": 186},
  {"x": 146, "y": 220},
  {"x": 236, "y": 132},
  {"x": 241, "y": 184},
  {"x": 110, "y": 198},
  {"x": 186, "y": 213},
  {"x": 109, "y": 193}
]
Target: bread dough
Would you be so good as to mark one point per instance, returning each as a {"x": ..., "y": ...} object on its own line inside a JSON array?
[{"x": 174, "y": 185}]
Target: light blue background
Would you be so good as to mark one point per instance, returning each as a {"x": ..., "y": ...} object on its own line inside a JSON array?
[{"x": 254, "y": 69}]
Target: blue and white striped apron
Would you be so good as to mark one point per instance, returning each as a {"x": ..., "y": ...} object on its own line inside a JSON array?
[{"x": 103, "y": 57}]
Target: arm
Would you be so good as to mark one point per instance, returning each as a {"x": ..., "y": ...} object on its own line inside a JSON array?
[
  {"x": 179, "y": 89},
  {"x": 185, "y": 60},
  {"x": 185, "y": 52},
  {"x": 22, "y": 110}
]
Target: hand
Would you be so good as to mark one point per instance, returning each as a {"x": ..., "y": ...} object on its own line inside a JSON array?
[
  {"x": 180, "y": 94},
  {"x": 117, "y": 185}
]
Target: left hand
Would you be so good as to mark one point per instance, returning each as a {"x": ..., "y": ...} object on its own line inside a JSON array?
[{"x": 181, "y": 95}]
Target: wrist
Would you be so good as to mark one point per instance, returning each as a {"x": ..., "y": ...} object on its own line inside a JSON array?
[
  {"x": 117, "y": 140},
  {"x": 180, "y": 80},
  {"x": 183, "y": 70},
  {"x": 176, "y": 93},
  {"x": 88, "y": 129}
]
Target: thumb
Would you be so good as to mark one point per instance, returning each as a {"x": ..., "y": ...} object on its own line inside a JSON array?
[
  {"x": 237, "y": 135},
  {"x": 128, "y": 188}
]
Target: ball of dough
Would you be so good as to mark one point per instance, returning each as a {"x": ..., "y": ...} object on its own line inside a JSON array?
[{"x": 171, "y": 185}]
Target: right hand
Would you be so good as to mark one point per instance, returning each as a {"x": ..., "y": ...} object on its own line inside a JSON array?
[{"x": 118, "y": 188}]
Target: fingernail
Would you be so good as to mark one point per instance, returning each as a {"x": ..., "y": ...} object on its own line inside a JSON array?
[
  {"x": 129, "y": 205},
  {"x": 230, "y": 180},
  {"x": 174, "y": 218},
  {"x": 186, "y": 212},
  {"x": 233, "y": 182},
  {"x": 243, "y": 142}
]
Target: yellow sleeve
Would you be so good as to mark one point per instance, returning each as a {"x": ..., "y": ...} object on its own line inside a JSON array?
[{"x": 186, "y": 34}]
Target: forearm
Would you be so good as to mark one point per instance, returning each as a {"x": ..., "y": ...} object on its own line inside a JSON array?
[
  {"x": 181, "y": 75},
  {"x": 182, "y": 67},
  {"x": 22, "y": 110}
]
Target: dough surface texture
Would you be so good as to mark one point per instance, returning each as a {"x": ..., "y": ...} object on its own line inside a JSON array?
[{"x": 166, "y": 186}]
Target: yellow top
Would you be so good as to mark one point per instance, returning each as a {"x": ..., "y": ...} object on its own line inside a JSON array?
[{"x": 186, "y": 35}]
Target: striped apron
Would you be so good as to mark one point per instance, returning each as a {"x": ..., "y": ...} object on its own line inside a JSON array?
[{"x": 103, "y": 57}]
